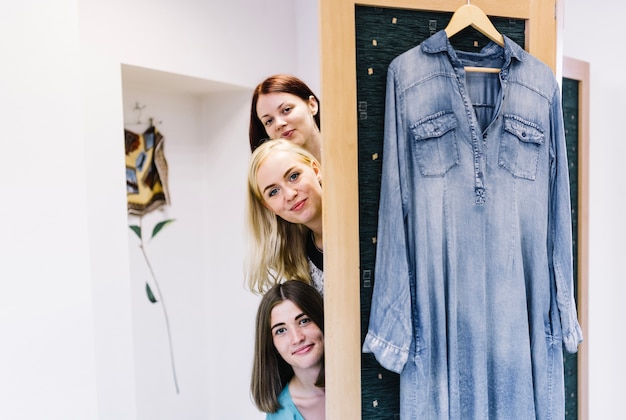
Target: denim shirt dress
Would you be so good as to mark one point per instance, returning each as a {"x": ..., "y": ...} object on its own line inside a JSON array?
[{"x": 473, "y": 297}]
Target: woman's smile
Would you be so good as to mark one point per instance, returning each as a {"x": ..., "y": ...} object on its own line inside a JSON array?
[
  {"x": 299, "y": 205},
  {"x": 303, "y": 350},
  {"x": 291, "y": 189},
  {"x": 287, "y": 134}
]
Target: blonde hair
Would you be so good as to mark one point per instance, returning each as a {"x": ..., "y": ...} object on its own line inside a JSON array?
[{"x": 276, "y": 248}]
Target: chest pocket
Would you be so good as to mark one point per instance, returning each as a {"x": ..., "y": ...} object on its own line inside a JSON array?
[
  {"x": 435, "y": 143},
  {"x": 519, "y": 147}
]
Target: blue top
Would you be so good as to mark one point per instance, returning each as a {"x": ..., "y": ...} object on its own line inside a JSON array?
[
  {"x": 473, "y": 294},
  {"x": 287, "y": 410}
]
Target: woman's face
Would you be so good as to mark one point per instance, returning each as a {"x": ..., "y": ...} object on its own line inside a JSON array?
[
  {"x": 291, "y": 189},
  {"x": 288, "y": 116},
  {"x": 298, "y": 339}
]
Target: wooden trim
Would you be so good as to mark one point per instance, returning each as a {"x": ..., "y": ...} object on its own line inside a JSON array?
[
  {"x": 340, "y": 162},
  {"x": 342, "y": 331},
  {"x": 541, "y": 32},
  {"x": 506, "y": 8},
  {"x": 579, "y": 70}
]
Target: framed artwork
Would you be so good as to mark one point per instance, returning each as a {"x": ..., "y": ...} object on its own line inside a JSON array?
[{"x": 146, "y": 171}]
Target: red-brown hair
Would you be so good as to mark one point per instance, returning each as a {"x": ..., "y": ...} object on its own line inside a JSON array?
[{"x": 279, "y": 83}]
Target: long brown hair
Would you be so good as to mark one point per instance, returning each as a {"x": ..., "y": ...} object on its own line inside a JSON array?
[
  {"x": 270, "y": 372},
  {"x": 279, "y": 83}
]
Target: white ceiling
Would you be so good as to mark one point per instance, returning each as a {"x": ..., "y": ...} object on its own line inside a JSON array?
[{"x": 141, "y": 77}]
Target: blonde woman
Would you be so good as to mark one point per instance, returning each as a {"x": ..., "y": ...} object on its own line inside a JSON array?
[{"x": 284, "y": 217}]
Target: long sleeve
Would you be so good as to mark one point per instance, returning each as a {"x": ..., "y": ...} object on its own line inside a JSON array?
[
  {"x": 560, "y": 234},
  {"x": 389, "y": 335}
]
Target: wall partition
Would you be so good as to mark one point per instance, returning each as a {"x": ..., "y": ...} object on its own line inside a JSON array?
[{"x": 358, "y": 40}]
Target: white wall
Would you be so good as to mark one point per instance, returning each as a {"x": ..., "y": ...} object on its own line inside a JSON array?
[
  {"x": 592, "y": 32},
  {"x": 68, "y": 322},
  {"x": 70, "y": 327},
  {"x": 308, "y": 52},
  {"x": 197, "y": 262},
  {"x": 47, "y": 366},
  {"x": 211, "y": 315},
  {"x": 233, "y": 309}
]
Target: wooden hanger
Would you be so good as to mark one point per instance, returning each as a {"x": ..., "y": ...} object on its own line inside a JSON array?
[{"x": 470, "y": 15}]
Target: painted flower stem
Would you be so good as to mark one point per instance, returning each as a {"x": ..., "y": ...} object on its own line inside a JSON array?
[{"x": 167, "y": 322}]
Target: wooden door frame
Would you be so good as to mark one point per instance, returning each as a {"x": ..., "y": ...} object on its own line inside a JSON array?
[
  {"x": 579, "y": 70},
  {"x": 339, "y": 157}
]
